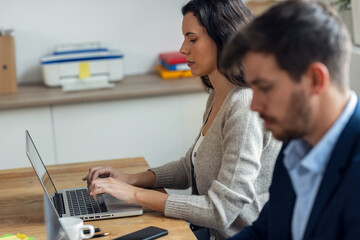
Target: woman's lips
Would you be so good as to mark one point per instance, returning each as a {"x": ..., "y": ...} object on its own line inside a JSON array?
[{"x": 190, "y": 63}]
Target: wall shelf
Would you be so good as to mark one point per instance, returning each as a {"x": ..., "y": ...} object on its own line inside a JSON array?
[{"x": 136, "y": 86}]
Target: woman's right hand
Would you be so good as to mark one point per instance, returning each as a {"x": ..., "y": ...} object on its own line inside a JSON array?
[{"x": 105, "y": 172}]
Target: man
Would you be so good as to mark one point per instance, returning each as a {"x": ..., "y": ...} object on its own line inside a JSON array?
[{"x": 296, "y": 59}]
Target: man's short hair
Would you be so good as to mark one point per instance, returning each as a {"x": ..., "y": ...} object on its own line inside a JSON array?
[{"x": 298, "y": 33}]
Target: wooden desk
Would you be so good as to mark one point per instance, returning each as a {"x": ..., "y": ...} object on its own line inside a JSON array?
[{"x": 21, "y": 201}]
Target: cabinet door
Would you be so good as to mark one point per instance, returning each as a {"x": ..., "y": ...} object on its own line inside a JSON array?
[
  {"x": 13, "y": 124},
  {"x": 159, "y": 128}
]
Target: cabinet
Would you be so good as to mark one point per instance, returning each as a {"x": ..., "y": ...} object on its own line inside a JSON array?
[
  {"x": 13, "y": 124},
  {"x": 159, "y": 128}
]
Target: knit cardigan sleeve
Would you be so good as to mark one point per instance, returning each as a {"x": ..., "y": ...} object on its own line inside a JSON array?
[
  {"x": 242, "y": 145},
  {"x": 175, "y": 175}
]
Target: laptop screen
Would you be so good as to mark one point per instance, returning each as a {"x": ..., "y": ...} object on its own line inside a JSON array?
[{"x": 39, "y": 166}]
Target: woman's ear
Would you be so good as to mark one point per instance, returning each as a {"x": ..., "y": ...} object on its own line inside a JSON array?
[{"x": 318, "y": 76}]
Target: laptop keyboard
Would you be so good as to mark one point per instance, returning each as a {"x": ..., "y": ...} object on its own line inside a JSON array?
[{"x": 81, "y": 204}]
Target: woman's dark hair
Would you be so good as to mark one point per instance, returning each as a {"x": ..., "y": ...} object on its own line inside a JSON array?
[{"x": 221, "y": 19}]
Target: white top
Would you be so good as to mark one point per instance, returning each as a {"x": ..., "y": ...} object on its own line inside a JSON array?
[{"x": 197, "y": 144}]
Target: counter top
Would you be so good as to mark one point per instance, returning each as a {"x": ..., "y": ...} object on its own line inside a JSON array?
[{"x": 136, "y": 86}]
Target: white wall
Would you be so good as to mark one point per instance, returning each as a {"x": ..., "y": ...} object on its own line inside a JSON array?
[
  {"x": 140, "y": 28},
  {"x": 355, "y": 70}
]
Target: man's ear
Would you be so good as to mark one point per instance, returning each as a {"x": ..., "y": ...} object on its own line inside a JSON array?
[{"x": 318, "y": 76}]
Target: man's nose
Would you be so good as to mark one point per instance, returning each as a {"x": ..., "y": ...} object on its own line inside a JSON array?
[{"x": 257, "y": 104}]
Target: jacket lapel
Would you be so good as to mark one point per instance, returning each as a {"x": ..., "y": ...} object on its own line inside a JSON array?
[{"x": 340, "y": 158}]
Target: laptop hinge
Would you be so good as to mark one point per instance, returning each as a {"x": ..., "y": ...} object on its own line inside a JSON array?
[{"x": 59, "y": 203}]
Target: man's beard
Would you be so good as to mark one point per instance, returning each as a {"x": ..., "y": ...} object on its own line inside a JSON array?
[{"x": 297, "y": 118}]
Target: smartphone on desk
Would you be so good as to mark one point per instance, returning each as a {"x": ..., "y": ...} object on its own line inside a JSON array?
[{"x": 145, "y": 233}]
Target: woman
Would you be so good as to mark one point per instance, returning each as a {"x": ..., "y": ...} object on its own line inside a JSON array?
[{"x": 230, "y": 165}]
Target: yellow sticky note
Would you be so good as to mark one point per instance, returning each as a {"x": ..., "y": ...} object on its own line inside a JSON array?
[
  {"x": 22, "y": 236},
  {"x": 84, "y": 70}
]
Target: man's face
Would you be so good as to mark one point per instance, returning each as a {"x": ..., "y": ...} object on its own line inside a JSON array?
[{"x": 282, "y": 103}]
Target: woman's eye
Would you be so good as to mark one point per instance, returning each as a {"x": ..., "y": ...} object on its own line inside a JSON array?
[{"x": 193, "y": 40}]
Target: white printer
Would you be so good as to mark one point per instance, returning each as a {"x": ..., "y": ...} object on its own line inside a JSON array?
[{"x": 82, "y": 66}]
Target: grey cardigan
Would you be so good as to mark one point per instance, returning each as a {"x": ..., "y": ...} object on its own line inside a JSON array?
[{"x": 233, "y": 169}]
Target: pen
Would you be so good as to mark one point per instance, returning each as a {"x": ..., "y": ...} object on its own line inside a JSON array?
[
  {"x": 87, "y": 231},
  {"x": 100, "y": 235}
]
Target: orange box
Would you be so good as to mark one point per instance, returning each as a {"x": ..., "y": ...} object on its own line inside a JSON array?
[
  {"x": 8, "y": 82},
  {"x": 167, "y": 74}
]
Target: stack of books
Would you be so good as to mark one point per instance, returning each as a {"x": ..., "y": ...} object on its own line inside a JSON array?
[{"x": 173, "y": 65}]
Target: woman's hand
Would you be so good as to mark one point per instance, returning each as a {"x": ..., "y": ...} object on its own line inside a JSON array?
[
  {"x": 147, "y": 198},
  {"x": 114, "y": 187},
  {"x": 145, "y": 179},
  {"x": 105, "y": 172}
]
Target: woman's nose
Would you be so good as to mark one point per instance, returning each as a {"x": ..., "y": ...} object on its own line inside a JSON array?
[{"x": 183, "y": 49}]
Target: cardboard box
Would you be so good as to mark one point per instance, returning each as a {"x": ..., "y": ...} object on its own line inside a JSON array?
[{"x": 8, "y": 82}]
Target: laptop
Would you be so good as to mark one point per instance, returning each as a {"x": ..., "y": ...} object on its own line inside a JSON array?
[
  {"x": 55, "y": 230},
  {"x": 74, "y": 202}
]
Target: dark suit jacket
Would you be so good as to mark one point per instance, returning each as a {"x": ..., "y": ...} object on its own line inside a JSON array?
[{"x": 336, "y": 210}]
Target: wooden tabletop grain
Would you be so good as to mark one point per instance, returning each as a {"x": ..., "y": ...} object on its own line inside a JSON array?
[{"x": 21, "y": 201}]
